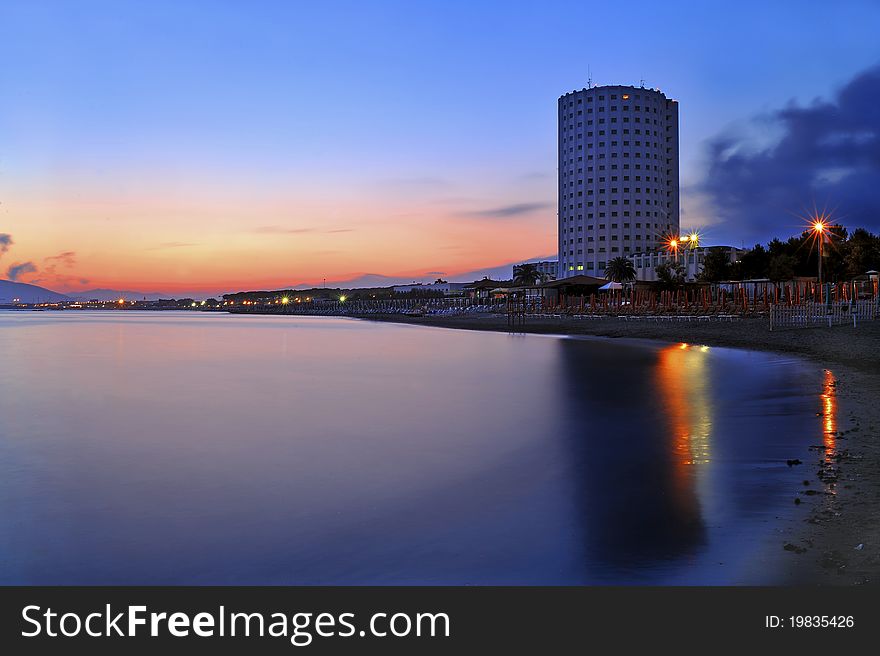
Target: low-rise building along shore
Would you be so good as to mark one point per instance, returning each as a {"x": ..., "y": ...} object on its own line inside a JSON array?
[
  {"x": 691, "y": 259},
  {"x": 442, "y": 286}
]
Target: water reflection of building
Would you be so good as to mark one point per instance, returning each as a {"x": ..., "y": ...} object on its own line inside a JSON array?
[{"x": 636, "y": 492}]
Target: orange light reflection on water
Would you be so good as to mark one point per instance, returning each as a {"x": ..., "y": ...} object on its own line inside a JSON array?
[
  {"x": 829, "y": 412},
  {"x": 683, "y": 384}
]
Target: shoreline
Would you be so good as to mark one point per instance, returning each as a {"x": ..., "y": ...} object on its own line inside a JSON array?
[{"x": 838, "y": 510}]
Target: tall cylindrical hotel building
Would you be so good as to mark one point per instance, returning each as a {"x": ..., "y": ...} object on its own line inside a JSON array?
[{"x": 618, "y": 175}]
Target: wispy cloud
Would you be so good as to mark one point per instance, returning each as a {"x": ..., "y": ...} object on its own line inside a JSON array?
[
  {"x": 172, "y": 244},
  {"x": 59, "y": 282},
  {"x": 48, "y": 274},
  {"x": 15, "y": 271},
  {"x": 507, "y": 211},
  {"x": 53, "y": 273},
  {"x": 66, "y": 259},
  {"x": 283, "y": 230}
]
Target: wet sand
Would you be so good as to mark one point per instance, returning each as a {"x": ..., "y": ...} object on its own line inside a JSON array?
[{"x": 838, "y": 507}]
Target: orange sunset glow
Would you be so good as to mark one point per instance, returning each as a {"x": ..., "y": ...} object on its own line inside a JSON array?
[{"x": 189, "y": 240}]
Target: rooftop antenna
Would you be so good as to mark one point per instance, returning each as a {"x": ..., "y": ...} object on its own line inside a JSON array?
[
  {"x": 589, "y": 78},
  {"x": 642, "y": 83}
]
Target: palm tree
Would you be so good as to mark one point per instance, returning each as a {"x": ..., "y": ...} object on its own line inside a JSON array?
[
  {"x": 620, "y": 269},
  {"x": 526, "y": 274}
]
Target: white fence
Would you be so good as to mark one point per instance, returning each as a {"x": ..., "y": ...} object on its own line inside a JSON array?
[{"x": 807, "y": 315}]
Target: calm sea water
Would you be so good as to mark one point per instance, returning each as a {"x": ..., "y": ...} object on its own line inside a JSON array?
[{"x": 184, "y": 448}]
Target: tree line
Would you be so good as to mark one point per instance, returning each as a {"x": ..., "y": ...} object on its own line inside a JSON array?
[{"x": 845, "y": 257}]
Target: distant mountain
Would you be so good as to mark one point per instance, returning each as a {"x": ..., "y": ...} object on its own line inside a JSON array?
[
  {"x": 9, "y": 291},
  {"x": 113, "y": 294}
]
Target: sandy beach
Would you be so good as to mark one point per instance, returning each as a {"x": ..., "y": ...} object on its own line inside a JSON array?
[{"x": 835, "y": 535}]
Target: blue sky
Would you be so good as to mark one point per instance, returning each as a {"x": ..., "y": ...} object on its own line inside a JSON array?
[{"x": 411, "y": 113}]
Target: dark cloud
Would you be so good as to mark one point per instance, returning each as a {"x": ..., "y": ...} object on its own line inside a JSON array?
[
  {"x": 828, "y": 155},
  {"x": 19, "y": 269},
  {"x": 508, "y": 210},
  {"x": 5, "y": 242}
]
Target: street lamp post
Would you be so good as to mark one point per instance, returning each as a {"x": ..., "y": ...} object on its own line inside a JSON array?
[
  {"x": 819, "y": 231},
  {"x": 691, "y": 240},
  {"x": 686, "y": 240}
]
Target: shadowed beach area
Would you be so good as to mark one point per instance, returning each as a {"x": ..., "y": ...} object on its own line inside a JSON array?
[{"x": 836, "y": 537}]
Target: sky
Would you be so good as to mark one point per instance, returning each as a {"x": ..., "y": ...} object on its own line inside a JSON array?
[{"x": 200, "y": 147}]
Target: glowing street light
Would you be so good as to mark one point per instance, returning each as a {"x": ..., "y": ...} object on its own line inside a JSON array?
[
  {"x": 688, "y": 241},
  {"x": 342, "y": 299},
  {"x": 672, "y": 245},
  {"x": 285, "y": 301}
]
